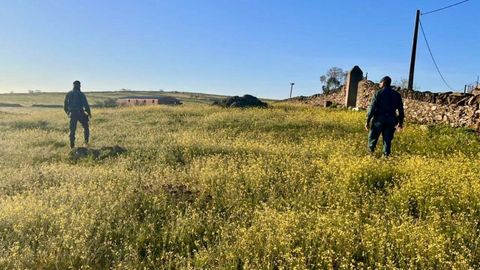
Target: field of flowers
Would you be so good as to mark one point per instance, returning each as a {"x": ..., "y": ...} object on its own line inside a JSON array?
[{"x": 202, "y": 187}]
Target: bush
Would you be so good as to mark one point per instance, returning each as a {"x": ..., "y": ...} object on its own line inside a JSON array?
[
  {"x": 241, "y": 102},
  {"x": 107, "y": 103}
]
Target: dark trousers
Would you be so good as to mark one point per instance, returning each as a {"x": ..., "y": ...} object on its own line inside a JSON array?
[
  {"x": 384, "y": 126},
  {"x": 78, "y": 116}
]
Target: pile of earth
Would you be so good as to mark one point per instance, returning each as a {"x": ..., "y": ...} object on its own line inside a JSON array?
[
  {"x": 246, "y": 101},
  {"x": 96, "y": 154}
]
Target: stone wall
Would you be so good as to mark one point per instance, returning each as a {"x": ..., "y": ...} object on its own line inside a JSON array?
[
  {"x": 335, "y": 98},
  {"x": 455, "y": 116},
  {"x": 454, "y": 109}
]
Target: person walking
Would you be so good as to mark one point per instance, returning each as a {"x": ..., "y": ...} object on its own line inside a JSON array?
[
  {"x": 382, "y": 117},
  {"x": 77, "y": 108}
]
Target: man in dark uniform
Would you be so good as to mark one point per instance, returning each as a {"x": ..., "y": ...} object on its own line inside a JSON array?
[
  {"x": 77, "y": 108},
  {"x": 382, "y": 116}
]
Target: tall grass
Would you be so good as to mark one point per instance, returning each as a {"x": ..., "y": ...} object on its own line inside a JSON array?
[{"x": 289, "y": 187}]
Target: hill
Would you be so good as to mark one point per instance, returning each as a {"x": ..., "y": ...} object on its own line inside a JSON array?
[
  {"x": 56, "y": 98},
  {"x": 289, "y": 186}
]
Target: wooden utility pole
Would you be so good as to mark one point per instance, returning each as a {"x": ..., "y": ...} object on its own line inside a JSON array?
[
  {"x": 414, "y": 52},
  {"x": 291, "y": 88}
]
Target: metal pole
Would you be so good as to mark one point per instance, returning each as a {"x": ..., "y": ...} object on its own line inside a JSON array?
[
  {"x": 291, "y": 88},
  {"x": 414, "y": 52}
]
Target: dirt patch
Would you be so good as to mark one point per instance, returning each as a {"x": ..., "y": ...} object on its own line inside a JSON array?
[{"x": 96, "y": 154}]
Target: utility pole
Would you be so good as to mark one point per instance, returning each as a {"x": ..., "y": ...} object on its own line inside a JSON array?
[
  {"x": 414, "y": 52},
  {"x": 291, "y": 88}
]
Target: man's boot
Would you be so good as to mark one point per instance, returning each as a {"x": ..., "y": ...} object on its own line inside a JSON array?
[{"x": 72, "y": 144}]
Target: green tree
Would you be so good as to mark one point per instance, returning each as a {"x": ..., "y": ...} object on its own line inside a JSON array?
[{"x": 333, "y": 79}]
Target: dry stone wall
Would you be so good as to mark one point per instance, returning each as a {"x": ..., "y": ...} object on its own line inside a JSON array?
[
  {"x": 335, "y": 98},
  {"x": 454, "y": 109}
]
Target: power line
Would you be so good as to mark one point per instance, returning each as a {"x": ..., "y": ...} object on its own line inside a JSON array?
[
  {"x": 436, "y": 10},
  {"x": 433, "y": 58}
]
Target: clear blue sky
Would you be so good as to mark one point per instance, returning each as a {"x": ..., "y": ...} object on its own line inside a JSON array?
[{"x": 229, "y": 47}]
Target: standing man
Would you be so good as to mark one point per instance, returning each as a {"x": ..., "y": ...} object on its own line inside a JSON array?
[
  {"x": 77, "y": 108},
  {"x": 382, "y": 116}
]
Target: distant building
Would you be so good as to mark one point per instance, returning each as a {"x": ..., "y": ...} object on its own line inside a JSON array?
[{"x": 147, "y": 100}]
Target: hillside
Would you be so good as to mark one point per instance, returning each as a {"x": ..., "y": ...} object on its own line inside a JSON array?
[
  {"x": 56, "y": 98},
  {"x": 205, "y": 187}
]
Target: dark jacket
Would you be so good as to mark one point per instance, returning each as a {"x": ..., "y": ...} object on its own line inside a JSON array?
[
  {"x": 75, "y": 100},
  {"x": 385, "y": 104}
]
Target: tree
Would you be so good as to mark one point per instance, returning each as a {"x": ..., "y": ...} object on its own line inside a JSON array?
[
  {"x": 403, "y": 84},
  {"x": 323, "y": 79},
  {"x": 337, "y": 73},
  {"x": 334, "y": 78}
]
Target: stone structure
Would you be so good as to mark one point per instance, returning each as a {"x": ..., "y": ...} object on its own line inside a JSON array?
[
  {"x": 454, "y": 109},
  {"x": 351, "y": 86},
  {"x": 147, "y": 100}
]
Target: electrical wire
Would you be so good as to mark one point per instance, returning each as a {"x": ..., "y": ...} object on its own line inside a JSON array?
[
  {"x": 440, "y": 9},
  {"x": 433, "y": 58}
]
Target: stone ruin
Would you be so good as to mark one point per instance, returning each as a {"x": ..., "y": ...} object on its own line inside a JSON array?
[{"x": 454, "y": 109}]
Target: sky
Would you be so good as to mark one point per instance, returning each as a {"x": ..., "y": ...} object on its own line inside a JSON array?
[{"x": 230, "y": 47}]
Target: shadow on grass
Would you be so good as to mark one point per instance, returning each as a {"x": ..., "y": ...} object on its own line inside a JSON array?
[{"x": 96, "y": 154}]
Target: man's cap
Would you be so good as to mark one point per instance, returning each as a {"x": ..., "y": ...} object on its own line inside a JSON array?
[
  {"x": 76, "y": 82},
  {"x": 387, "y": 80}
]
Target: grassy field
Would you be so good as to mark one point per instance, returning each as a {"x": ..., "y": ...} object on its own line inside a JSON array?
[
  {"x": 56, "y": 98},
  {"x": 202, "y": 187}
]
